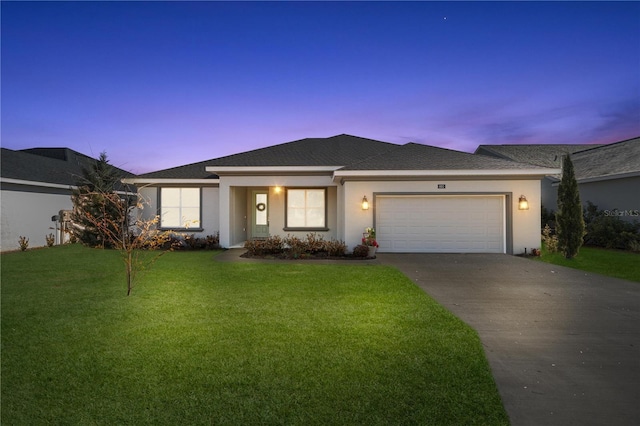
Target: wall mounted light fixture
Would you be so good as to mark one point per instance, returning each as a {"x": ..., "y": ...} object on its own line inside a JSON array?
[
  {"x": 523, "y": 204},
  {"x": 365, "y": 203}
]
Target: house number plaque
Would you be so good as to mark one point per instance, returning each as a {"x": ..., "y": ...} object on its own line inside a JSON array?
[{"x": 441, "y": 186}]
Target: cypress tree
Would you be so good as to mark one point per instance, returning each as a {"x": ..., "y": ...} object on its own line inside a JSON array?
[{"x": 569, "y": 219}]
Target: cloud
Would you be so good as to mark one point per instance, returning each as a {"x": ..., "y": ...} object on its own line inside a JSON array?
[{"x": 619, "y": 118}]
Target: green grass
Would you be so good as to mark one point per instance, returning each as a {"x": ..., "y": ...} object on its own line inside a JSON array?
[
  {"x": 205, "y": 342},
  {"x": 614, "y": 263}
]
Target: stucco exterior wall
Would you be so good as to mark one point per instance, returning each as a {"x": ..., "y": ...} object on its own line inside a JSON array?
[
  {"x": 524, "y": 224},
  {"x": 616, "y": 197},
  {"x": 209, "y": 209},
  {"x": 29, "y": 214},
  {"x": 232, "y": 216}
]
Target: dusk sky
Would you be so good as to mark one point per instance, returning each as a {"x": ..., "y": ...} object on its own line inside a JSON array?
[{"x": 163, "y": 84}]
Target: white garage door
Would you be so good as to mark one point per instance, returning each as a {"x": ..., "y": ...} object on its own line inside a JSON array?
[{"x": 440, "y": 224}]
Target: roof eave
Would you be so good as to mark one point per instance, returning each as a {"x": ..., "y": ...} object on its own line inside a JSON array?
[
  {"x": 354, "y": 174},
  {"x": 36, "y": 183},
  {"x": 169, "y": 181},
  {"x": 603, "y": 178},
  {"x": 250, "y": 170}
]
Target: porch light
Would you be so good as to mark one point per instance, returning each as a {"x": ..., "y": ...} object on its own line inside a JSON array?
[
  {"x": 277, "y": 189},
  {"x": 365, "y": 203},
  {"x": 523, "y": 204}
]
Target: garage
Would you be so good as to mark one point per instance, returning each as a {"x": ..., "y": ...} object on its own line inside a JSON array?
[{"x": 440, "y": 224}]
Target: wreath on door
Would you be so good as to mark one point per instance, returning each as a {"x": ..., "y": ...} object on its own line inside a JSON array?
[{"x": 261, "y": 207}]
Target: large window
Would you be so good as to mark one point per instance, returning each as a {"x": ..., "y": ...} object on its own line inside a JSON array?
[
  {"x": 180, "y": 208},
  {"x": 306, "y": 208}
]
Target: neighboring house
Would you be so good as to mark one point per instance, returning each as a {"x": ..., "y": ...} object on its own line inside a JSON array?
[
  {"x": 36, "y": 185},
  {"x": 607, "y": 175},
  {"x": 421, "y": 198}
]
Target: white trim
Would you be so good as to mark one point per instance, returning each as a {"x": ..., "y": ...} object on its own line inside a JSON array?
[
  {"x": 609, "y": 177},
  {"x": 429, "y": 173},
  {"x": 270, "y": 169},
  {"x": 601, "y": 178},
  {"x": 184, "y": 181},
  {"x": 51, "y": 185},
  {"x": 35, "y": 183}
]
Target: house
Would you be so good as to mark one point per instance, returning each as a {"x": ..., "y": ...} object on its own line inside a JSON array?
[
  {"x": 608, "y": 175},
  {"x": 36, "y": 186},
  {"x": 419, "y": 198}
]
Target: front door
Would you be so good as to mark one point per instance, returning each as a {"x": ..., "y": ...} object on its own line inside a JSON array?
[{"x": 260, "y": 228}]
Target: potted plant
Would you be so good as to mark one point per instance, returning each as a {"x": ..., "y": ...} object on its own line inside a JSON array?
[{"x": 369, "y": 240}]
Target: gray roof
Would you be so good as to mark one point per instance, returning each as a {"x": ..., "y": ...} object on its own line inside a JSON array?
[
  {"x": 413, "y": 156},
  {"x": 608, "y": 160},
  {"x": 61, "y": 166},
  {"x": 337, "y": 150},
  {"x": 349, "y": 153},
  {"x": 545, "y": 155}
]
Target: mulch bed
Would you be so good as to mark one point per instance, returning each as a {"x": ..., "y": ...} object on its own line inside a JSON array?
[{"x": 304, "y": 256}]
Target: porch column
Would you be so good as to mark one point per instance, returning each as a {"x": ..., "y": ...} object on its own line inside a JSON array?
[{"x": 225, "y": 215}]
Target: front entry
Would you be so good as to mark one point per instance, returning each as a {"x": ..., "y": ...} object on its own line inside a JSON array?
[{"x": 260, "y": 225}]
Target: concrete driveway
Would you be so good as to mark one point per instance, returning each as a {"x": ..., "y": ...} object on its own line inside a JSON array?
[{"x": 563, "y": 345}]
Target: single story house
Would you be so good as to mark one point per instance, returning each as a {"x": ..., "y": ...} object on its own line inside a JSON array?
[
  {"x": 419, "y": 198},
  {"x": 608, "y": 175},
  {"x": 35, "y": 186}
]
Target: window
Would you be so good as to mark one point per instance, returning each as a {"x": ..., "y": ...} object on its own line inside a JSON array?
[
  {"x": 306, "y": 208},
  {"x": 180, "y": 208}
]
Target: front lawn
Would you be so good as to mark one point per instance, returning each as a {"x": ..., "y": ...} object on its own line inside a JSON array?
[
  {"x": 205, "y": 342},
  {"x": 614, "y": 263}
]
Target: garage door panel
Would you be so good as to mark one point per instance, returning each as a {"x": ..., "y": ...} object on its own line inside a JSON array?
[{"x": 456, "y": 224}]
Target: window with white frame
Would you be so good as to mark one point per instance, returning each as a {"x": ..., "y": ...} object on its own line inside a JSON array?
[
  {"x": 306, "y": 208},
  {"x": 180, "y": 208}
]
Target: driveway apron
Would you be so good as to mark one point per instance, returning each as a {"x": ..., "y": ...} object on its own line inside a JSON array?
[{"x": 563, "y": 345}]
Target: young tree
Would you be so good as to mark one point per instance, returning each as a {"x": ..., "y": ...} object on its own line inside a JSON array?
[
  {"x": 569, "y": 219},
  {"x": 123, "y": 229},
  {"x": 106, "y": 218}
]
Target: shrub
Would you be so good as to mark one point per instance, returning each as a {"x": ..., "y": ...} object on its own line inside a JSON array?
[
  {"x": 550, "y": 240},
  {"x": 50, "y": 239},
  {"x": 315, "y": 243},
  {"x": 570, "y": 226},
  {"x": 548, "y": 217},
  {"x": 609, "y": 231},
  {"x": 24, "y": 243},
  {"x": 361, "y": 251},
  {"x": 269, "y": 246},
  {"x": 212, "y": 242},
  {"x": 335, "y": 248},
  {"x": 294, "y": 247}
]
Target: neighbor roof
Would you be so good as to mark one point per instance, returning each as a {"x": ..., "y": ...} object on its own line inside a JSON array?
[
  {"x": 545, "y": 155},
  {"x": 607, "y": 161},
  {"x": 413, "y": 156},
  {"x": 60, "y": 166}
]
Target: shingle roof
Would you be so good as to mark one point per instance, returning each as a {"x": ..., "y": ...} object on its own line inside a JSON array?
[
  {"x": 549, "y": 155},
  {"x": 608, "y": 160},
  {"x": 61, "y": 166},
  {"x": 337, "y": 150},
  {"x": 413, "y": 156}
]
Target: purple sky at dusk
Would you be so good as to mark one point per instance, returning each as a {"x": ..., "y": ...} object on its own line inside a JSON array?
[{"x": 163, "y": 84}]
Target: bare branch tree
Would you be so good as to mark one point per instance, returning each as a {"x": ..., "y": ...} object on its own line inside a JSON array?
[{"x": 119, "y": 222}]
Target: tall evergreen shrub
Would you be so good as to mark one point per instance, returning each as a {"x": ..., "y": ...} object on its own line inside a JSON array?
[
  {"x": 569, "y": 220},
  {"x": 91, "y": 204}
]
